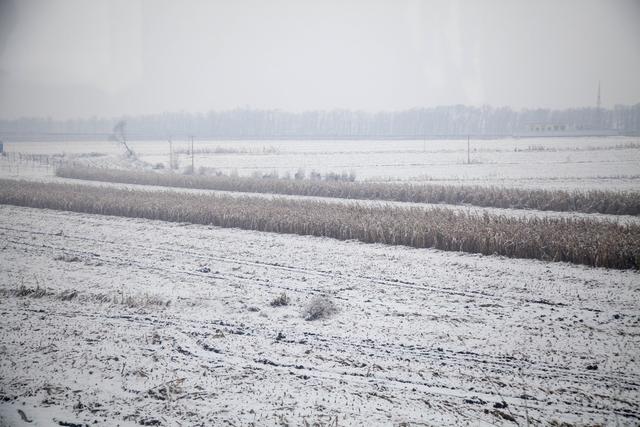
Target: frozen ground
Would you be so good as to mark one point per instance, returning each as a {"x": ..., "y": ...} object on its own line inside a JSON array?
[
  {"x": 602, "y": 163},
  {"x": 421, "y": 337}
]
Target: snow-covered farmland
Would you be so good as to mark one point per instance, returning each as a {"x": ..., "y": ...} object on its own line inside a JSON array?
[
  {"x": 121, "y": 321},
  {"x": 420, "y": 336},
  {"x": 576, "y": 163}
]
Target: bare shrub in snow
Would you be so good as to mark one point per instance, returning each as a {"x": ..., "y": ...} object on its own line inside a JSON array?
[
  {"x": 280, "y": 300},
  {"x": 67, "y": 295},
  {"x": 67, "y": 258},
  {"x": 25, "y": 291},
  {"x": 132, "y": 301},
  {"x": 319, "y": 307},
  {"x": 229, "y": 150}
]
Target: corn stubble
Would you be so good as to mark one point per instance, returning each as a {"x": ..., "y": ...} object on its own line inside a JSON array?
[
  {"x": 595, "y": 201},
  {"x": 576, "y": 240}
]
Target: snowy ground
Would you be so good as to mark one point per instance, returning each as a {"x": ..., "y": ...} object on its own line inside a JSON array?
[
  {"x": 421, "y": 336},
  {"x": 139, "y": 322},
  {"x": 601, "y": 163}
]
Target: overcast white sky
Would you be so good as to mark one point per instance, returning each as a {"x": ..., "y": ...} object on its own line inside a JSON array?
[{"x": 66, "y": 58}]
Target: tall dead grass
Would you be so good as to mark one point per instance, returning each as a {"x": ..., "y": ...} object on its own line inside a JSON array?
[
  {"x": 595, "y": 201},
  {"x": 576, "y": 240}
]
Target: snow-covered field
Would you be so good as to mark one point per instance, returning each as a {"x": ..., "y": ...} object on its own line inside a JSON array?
[
  {"x": 44, "y": 173},
  {"x": 119, "y": 321},
  {"x": 421, "y": 337},
  {"x": 602, "y": 163}
]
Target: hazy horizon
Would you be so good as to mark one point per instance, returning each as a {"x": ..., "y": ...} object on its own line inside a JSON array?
[{"x": 69, "y": 58}]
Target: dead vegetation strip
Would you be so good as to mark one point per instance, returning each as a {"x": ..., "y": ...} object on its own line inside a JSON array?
[
  {"x": 576, "y": 240},
  {"x": 594, "y": 201},
  {"x": 116, "y": 298}
]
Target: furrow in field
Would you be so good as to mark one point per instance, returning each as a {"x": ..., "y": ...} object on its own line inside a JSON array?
[
  {"x": 328, "y": 367},
  {"x": 208, "y": 255},
  {"x": 477, "y": 339}
]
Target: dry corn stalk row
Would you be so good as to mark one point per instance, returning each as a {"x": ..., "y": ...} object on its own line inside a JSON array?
[
  {"x": 576, "y": 240},
  {"x": 595, "y": 201}
]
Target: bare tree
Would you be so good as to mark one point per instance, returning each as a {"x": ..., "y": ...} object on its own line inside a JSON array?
[{"x": 119, "y": 135}]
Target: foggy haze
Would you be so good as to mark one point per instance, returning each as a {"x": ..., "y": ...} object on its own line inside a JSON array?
[
  {"x": 320, "y": 212},
  {"x": 72, "y": 58}
]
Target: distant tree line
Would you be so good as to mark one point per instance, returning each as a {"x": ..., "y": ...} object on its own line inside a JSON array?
[{"x": 446, "y": 121}]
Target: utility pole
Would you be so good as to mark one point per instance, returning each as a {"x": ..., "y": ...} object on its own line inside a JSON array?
[
  {"x": 468, "y": 151},
  {"x": 193, "y": 171},
  {"x": 599, "y": 109}
]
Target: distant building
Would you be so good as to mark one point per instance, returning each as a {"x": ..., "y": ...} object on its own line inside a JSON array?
[{"x": 547, "y": 127}]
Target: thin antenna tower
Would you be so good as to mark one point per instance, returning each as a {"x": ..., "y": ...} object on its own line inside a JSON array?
[{"x": 599, "y": 109}]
